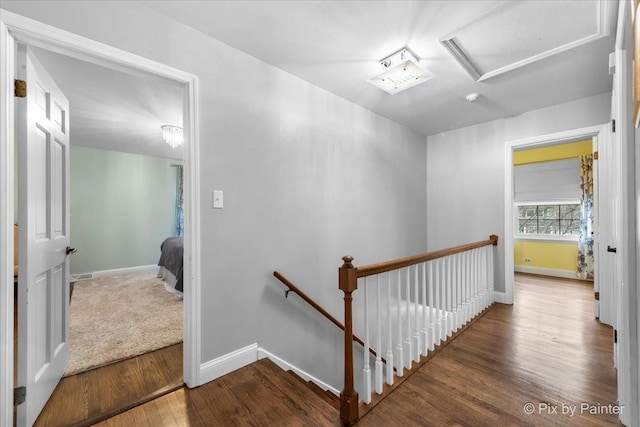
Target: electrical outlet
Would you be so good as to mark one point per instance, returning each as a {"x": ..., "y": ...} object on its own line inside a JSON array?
[{"x": 527, "y": 260}]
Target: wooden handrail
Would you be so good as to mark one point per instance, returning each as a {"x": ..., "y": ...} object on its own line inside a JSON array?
[
  {"x": 321, "y": 310},
  {"x": 307, "y": 299},
  {"x": 383, "y": 267}
]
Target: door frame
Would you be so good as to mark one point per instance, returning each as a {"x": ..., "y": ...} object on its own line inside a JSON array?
[
  {"x": 600, "y": 132},
  {"x": 16, "y": 28}
]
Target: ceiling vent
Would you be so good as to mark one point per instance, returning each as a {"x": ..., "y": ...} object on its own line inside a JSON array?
[{"x": 400, "y": 72}]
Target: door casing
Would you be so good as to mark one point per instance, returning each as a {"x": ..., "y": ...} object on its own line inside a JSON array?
[{"x": 16, "y": 28}]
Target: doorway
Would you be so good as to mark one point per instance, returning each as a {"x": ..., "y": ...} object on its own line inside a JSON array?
[
  {"x": 16, "y": 29},
  {"x": 555, "y": 212},
  {"x": 597, "y": 133}
]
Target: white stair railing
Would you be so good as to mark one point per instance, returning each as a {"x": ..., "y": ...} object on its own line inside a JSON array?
[{"x": 409, "y": 306}]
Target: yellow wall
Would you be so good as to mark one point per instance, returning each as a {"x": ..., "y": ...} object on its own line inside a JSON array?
[
  {"x": 553, "y": 255},
  {"x": 548, "y": 254},
  {"x": 554, "y": 152}
]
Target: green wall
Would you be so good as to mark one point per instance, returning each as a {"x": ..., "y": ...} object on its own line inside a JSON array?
[{"x": 122, "y": 208}]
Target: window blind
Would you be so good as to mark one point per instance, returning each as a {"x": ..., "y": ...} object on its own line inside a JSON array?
[{"x": 555, "y": 181}]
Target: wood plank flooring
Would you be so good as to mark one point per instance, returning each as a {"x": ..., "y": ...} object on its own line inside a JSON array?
[
  {"x": 100, "y": 393},
  {"x": 546, "y": 349},
  {"x": 259, "y": 394}
]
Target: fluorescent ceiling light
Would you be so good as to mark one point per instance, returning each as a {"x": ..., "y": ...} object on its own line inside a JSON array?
[
  {"x": 172, "y": 135},
  {"x": 401, "y": 72}
]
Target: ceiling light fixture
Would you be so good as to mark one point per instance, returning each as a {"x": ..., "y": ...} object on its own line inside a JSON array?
[
  {"x": 172, "y": 135},
  {"x": 400, "y": 72}
]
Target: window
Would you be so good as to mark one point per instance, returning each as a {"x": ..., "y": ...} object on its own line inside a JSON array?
[{"x": 557, "y": 220}]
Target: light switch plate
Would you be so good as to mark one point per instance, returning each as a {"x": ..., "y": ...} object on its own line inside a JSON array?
[{"x": 218, "y": 199}]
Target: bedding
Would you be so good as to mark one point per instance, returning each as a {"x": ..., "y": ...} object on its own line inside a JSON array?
[{"x": 170, "y": 263}]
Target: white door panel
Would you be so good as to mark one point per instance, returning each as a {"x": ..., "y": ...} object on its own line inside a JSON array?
[{"x": 43, "y": 211}]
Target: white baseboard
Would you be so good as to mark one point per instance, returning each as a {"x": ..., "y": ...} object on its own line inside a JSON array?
[
  {"x": 262, "y": 353},
  {"x": 568, "y": 274},
  {"x": 227, "y": 363},
  {"x": 237, "y": 359},
  {"x": 500, "y": 297},
  {"x": 126, "y": 270}
]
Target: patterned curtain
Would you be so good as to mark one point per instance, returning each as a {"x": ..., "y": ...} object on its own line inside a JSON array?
[
  {"x": 585, "y": 243},
  {"x": 179, "y": 202}
]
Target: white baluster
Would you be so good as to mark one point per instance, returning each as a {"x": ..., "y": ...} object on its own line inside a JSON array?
[
  {"x": 467, "y": 286},
  {"x": 389, "y": 368},
  {"x": 474, "y": 282},
  {"x": 417, "y": 312},
  {"x": 477, "y": 270},
  {"x": 489, "y": 284},
  {"x": 485, "y": 279},
  {"x": 465, "y": 283},
  {"x": 379, "y": 367},
  {"x": 480, "y": 281},
  {"x": 366, "y": 372},
  {"x": 436, "y": 283},
  {"x": 431, "y": 309},
  {"x": 443, "y": 301},
  {"x": 449, "y": 296},
  {"x": 408, "y": 341},
  {"x": 460, "y": 299},
  {"x": 425, "y": 308},
  {"x": 454, "y": 292},
  {"x": 399, "y": 346},
  {"x": 445, "y": 281},
  {"x": 491, "y": 276},
  {"x": 457, "y": 281}
]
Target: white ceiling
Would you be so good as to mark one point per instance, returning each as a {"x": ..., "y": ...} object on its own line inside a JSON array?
[
  {"x": 337, "y": 45},
  {"x": 112, "y": 110}
]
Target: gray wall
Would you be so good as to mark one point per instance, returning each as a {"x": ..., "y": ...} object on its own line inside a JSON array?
[
  {"x": 308, "y": 177},
  {"x": 122, "y": 208},
  {"x": 466, "y": 168}
]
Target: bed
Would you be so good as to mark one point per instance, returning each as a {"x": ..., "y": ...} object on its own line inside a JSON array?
[{"x": 170, "y": 263}]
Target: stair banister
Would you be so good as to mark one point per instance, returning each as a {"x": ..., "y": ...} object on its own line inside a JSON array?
[{"x": 462, "y": 280}]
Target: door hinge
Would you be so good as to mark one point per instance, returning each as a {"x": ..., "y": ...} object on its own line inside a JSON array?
[
  {"x": 613, "y": 125},
  {"x": 20, "y": 88},
  {"x": 19, "y": 395},
  {"x": 597, "y": 296},
  {"x": 595, "y": 155},
  {"x": 615, "y": 336}
]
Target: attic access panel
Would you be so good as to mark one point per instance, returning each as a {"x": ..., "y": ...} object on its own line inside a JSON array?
[{"x": 515, "y": 34}]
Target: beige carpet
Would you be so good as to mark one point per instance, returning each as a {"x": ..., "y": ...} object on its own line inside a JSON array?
[{"x": 117, "y": 317}]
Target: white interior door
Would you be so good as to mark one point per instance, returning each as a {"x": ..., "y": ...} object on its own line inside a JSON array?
[
  {"x": 607, "y": 227},
  {"x": 43, "y": 212}
]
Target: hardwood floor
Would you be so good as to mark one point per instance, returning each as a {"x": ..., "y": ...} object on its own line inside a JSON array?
[
  {"x": 546, "y": 350},
  {"x": 258, "y": 394},
  {"x": 100, "y": 393}
]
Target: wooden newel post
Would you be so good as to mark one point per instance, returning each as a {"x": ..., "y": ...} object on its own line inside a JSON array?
[
  {"x": 494, "y": 239},
  {"x": 348, "y": 282}
]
